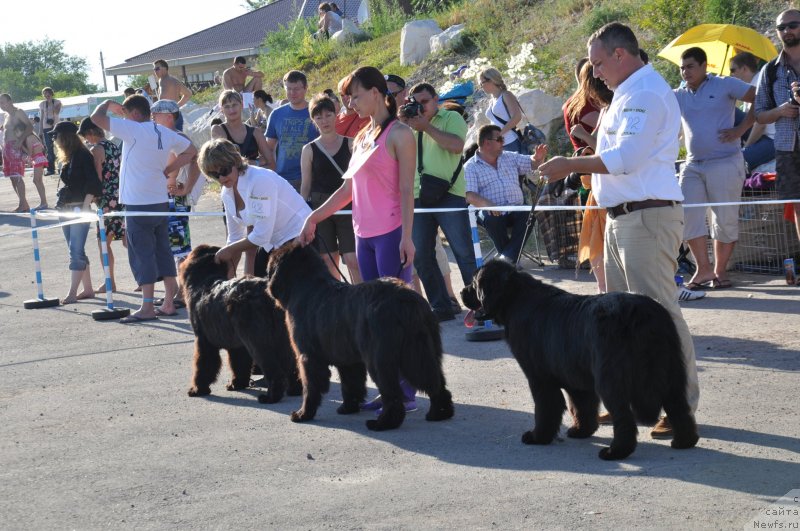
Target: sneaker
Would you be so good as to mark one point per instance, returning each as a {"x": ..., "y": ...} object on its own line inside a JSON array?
[
  {"x": 410, "y": 405},
  {"x": 662, "y": 430},
  {"x": 455, "y": 306},
  {"x": 689, "y": 295},
  {"x": 373, "y": 405}
]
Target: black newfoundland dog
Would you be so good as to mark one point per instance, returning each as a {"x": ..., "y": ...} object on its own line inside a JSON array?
[
  {"x": 620, "y": 346},
  {"x": 381, "y": 327},
  {"x": 235, "y": 315}
]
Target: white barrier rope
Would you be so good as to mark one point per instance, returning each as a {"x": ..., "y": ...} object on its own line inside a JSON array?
[{"x": 84, "y": 217}]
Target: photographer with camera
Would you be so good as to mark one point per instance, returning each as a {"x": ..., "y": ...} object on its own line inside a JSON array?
[
  {"x": 438, "y": 183},
  {"x": 777, "y": 99},
  {"x": 49, "y": 111}
]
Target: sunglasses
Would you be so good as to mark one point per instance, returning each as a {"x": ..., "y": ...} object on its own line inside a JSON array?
[
  {"x": 156, "y": 68},
  {"x": 222, "y": 172},
  {"x": 733, "y": 69},
  {"x": 789, "y": 25},
  {"x": 498, "y": 139}
]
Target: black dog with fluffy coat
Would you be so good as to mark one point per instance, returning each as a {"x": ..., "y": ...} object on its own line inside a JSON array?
[
  {"x": 620, "y": 346},
  {"x": 381, "y": 327},
  {"x": 238, "y": 316}
]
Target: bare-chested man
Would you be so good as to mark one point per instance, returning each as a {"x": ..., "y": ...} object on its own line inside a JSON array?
[
  {"x": 171, "y": 88},
  {"x": 13, "y": 156},
  {"x": 235, "y": 77},
  {"x": 49, "y": 111}
]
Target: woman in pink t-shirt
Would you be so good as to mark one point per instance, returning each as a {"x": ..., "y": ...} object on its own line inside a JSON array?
[{"x": 379, "y": 183}]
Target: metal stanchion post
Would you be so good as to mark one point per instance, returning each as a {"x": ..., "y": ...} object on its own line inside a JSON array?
[
  {"x": 109, "y": 312},
  {"x": 39, "y": 301},
  {"x": 488, "y": 331}
]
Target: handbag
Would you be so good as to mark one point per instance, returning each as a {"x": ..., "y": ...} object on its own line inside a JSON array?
[
  {"x": 432, "y": 189},
  {"x": 530, "y": 136}
]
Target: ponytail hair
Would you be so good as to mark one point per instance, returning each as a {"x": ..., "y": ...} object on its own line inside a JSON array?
[{"x": 369, "y": 77}]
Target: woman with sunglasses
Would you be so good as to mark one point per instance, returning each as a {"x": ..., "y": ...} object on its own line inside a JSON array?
[
  {"x": 504, "y": 110},
  {"x": 262, "y": 210},
  {"x": 81, "y": 186}
]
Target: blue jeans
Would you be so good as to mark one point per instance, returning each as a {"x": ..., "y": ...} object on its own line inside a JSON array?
[
  {"x": 455, "y": 226},
  {"x": 497, "y": 227},
  {"x": 76, "y": 241},
  {"x": 759, "y": 153},
  {"x": 515, "y": 146}
]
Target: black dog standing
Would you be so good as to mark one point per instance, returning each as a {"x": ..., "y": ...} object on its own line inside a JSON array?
[
  {"x": 381, "y": 327},
  {"x": 236, "y": 315},
  {"x": 620, "y": 346}
]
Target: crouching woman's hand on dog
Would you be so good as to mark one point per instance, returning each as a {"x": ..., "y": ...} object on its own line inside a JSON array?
[{"x": 230, "y": 257}]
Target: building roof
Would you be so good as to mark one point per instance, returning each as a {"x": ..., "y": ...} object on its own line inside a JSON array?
[{"x": 243, "y": 35}]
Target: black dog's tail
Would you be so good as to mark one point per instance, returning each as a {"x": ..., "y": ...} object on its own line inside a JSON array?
[
  {"x": 660, "y": 374},
  {"x": 420, "y": 354}
]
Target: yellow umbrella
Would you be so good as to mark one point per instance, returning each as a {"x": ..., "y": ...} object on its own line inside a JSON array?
[{"x": 720, "y": 42}]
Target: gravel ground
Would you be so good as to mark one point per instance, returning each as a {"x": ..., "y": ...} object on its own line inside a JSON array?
[{"x": 98, "y": 432}]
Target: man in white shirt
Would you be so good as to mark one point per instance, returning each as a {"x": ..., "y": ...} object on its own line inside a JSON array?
[
  {"x": 633, "y": 176},
  {"x": 144, "y": 169}
]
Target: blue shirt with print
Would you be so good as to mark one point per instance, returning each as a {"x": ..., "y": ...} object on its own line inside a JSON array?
[{"x": 293, "y": 129}]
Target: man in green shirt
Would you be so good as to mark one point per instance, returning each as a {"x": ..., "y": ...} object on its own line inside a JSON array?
[{"x": 440, "y": 137}]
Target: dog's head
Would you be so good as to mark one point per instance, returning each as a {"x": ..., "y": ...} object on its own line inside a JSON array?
[
  {"x": 488, "y": 289},
  {"x": 292, "y": 266},
  {"x": 200, "y": 268}
]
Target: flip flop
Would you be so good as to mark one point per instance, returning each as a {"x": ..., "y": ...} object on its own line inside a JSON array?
[
  {"x": 162, "y": 313},
  {"x": 134, "y": 319},
  {"x": 721, "y": 284},
  {"x": 697, "y": 286},
  {"x": 179, "y": 304}
]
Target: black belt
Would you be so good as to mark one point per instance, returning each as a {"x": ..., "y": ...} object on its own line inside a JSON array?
[{"x": 627, "y": 208}]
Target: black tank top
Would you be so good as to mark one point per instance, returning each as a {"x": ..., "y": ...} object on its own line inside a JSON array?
[
  {"x": 248, "y": 148},
  {"x": 326, "y": 178}
]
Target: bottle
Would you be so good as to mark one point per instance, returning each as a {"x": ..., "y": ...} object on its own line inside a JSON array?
[{"x": 788, "y": 266}]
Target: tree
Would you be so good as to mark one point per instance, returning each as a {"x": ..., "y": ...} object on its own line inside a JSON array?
[
  {"x": 252, "y": 5},
  {"x": 27, "y": 67}
]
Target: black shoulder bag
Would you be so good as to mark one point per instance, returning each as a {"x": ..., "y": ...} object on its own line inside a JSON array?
[{"x": 431, "y": 188}]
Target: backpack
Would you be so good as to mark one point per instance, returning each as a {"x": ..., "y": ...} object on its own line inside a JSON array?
[{"x": 772, "y": 75}]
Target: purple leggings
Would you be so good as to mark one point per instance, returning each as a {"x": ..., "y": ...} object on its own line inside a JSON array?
[{"x": 379, "y": 256}]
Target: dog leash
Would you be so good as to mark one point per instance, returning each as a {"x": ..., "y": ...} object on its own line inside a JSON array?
[
  {"x": 335, "y": 262},
  {"x": 541, "y": 181}
]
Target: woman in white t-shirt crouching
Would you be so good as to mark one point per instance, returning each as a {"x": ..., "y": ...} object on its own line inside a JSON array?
[{"x": 263, "y": 211}]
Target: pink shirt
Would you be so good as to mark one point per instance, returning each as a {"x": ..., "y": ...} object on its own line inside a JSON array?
[{"x": 376, "y": 190}]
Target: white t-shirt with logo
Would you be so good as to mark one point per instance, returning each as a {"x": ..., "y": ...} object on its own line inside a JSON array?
[{"x": 145, "y": 152}]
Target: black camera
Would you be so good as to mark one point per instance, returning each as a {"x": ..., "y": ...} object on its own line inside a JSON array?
[
  {"x": 411, "y": 109},
  {"x": 792, "y": 95}
]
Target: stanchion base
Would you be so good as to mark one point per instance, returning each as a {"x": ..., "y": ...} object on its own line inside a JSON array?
[
  {"x": 483, "y": 333},
  {"x": 107, "y": 315},
  {"x": 35, "y": 304}
]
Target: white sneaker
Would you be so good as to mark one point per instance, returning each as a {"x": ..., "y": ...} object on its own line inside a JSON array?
[{"x": 689, "y": 295}]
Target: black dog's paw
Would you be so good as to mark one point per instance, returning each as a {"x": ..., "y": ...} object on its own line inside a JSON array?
[
  {"x": 348, "y": 408},
  {"x": 531, "y": 437},
  {"x": 236, "y": 386},
  {"x": 614, "y": 454},
  {"x": 440, "y": 413},
  {"x": 199, "y": 391},
  {"x": 268, "y": 398},
  {"x": 576, "y": 432},
  {"x": 682, "y": 443},
  {"x": 301, "y": 416}
]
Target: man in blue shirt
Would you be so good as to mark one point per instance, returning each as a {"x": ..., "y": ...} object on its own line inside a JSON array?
[{"x": 289, "y": 128}]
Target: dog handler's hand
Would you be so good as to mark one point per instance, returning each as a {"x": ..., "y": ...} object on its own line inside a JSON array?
[
  {"x": 308, "y": 232},
  {"x": 407, "y": 251},
  {"x": 556, "y": 168}
]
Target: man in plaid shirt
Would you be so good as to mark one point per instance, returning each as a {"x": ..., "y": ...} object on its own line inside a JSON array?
[
  {"x": 782, "y": 109},
  {"x": 493, "y": 180}
]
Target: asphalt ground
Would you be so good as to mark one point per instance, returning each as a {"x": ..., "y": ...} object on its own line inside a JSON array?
[{"x": 99, "y": 433}]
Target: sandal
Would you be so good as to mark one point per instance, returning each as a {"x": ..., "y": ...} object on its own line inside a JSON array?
[
  {"x": 721, "y": 284},
  {"x": 696, "y": 286}
]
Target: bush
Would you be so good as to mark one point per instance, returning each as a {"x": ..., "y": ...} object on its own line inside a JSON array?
[{"x": 600, "y": 16}]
